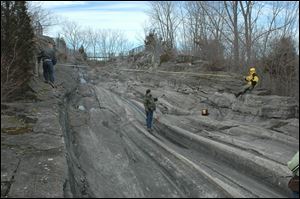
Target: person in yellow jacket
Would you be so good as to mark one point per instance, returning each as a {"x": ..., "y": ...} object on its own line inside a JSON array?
[
  {"x": 293, "y": 165},
  {"x": 252, "y": 80}
]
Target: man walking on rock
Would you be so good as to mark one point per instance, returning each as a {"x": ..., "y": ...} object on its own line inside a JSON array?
[
  {"x": 150, "y": 107},
  {"x": 49, "y": 60}
]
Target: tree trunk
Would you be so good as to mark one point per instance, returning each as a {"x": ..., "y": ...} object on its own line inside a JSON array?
[{"x": 236, "y": 36}]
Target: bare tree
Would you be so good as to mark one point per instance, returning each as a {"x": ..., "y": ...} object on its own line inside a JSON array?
[
  {"x": 112, "y": 42},
  {"x": 215, "y": 23},
  {"x": 165, "y": 19},
  {"x": 84, "y": 38},
  {"x": 93, "y": 39},
  {"x": 71, "y": 33},
  {"x": 232, "y": 14},
  {"x": 283, "y": 22},
  {"x": 107, "y": 42},
  {"x": 123, "y": 44},
  {"x": 140, "y": 36},
  {"x": 291, "y": 17},
  {"x": 247, "y": 12},
  {"x": 41, "y": 16},
  {"x": 195, "y": 25}
]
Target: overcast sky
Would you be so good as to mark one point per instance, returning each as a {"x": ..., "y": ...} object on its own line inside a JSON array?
[{"x": 128, "y": 16}]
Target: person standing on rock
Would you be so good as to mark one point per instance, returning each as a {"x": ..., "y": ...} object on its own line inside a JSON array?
[
  {"x": 150, "y": 107},
  {"x": 252, "y": 80},
  {"x": 48, "y": 57},
  {"x": 293, "y": 165}
]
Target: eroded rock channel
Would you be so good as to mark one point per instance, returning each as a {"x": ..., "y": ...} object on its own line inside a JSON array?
[
  {"x": 88, "y": 138},
  {"x": 239, "y": 150}
]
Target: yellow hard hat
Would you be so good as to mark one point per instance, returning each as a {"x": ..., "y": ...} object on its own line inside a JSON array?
[{"x": 252, "y": 70}]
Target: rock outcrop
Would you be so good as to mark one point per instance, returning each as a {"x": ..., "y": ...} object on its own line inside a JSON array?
[
  {"x": 33, "y": 150},
  {"x": 95, "y": 142}
]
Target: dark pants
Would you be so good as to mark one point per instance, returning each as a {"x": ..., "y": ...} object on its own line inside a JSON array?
[
  {"x": 149, "y": 119},
  {"x": 48, "y": 71},
  {"x": 295, "y": 194}
]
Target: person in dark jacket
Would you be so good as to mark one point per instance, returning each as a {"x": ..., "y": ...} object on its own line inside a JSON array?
[
  {"x": 150, "y": 107},
  {"x": 48, "y": 57}
]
